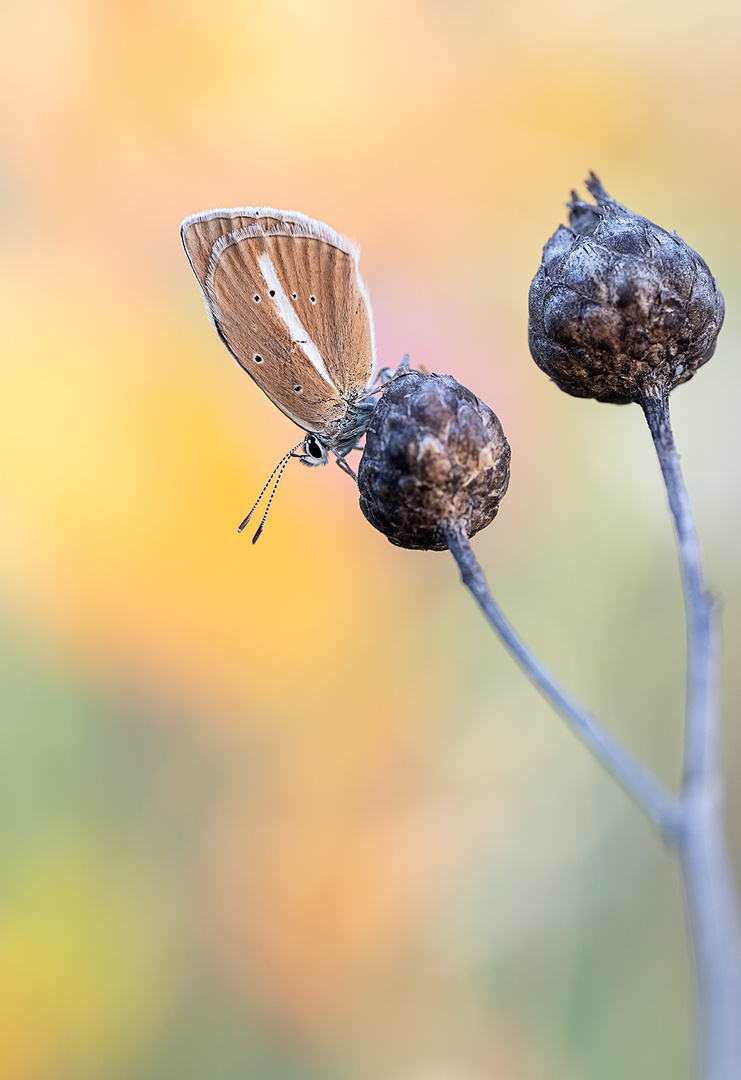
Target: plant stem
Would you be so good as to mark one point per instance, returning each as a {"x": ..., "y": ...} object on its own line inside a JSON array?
[
  {"x": 635, "y": 778},
  {"x": 707, "y": 873},
  {"x": 692, "y": 824},
  {"x": 701, "y": 730}
]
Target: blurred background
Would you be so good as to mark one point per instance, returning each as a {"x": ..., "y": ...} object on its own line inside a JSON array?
[{"x": 289, "y": 811}]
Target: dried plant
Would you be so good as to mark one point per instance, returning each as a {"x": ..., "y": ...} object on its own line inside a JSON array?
[{"x": 621, "y": 311}]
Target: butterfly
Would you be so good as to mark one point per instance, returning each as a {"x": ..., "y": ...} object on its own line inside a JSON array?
[{"x": 286, "y": 298}]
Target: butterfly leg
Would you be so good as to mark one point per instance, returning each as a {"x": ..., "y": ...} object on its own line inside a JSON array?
[
  {"x": 346, "y": 468},
  {"x": 387, "y": 375}
]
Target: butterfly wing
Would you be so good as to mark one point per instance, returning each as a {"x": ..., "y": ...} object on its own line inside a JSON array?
[{"x": 285, "y": 296}]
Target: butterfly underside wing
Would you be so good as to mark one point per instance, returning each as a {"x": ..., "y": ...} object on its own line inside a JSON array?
[{"x": 286, "y": 298}]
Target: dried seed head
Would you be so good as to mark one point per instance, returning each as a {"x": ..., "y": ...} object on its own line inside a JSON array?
[
  {"x": 434, "y": 455},
  {"x": 619, "y": 308}
]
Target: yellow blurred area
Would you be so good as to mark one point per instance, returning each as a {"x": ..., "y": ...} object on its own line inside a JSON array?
[
  {"x": 287, "y": 810},
  {"x": 82, "y": 968}
]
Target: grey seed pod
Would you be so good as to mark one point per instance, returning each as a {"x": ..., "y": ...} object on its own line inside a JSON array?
[
  {"x": 620, "y": 308},
  {"x": 434, "y": 455}
]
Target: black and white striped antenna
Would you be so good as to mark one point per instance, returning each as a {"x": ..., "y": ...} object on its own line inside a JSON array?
[{"x": 279, "y": 468}]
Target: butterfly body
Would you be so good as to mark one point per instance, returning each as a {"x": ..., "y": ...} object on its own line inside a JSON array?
[{"x": 285, "y": 297}]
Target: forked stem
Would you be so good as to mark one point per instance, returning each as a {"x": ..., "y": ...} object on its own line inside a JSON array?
[
  {"x": 693, "y": 823},
  {"x": 635, "y": 778}
]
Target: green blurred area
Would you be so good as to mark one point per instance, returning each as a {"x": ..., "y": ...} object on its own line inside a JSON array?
[{"x": 290, "y": 812}]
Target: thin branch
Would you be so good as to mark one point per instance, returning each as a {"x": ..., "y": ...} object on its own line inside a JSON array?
[
  {"x": 701, "y": 731},
  {"x": 661, "y": 807},
  {"x": 707, "y": 873}
]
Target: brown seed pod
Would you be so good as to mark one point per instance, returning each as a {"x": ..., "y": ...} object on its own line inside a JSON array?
[
  {"x": 620, "y": 308},
  {"x": 434, "y": 455}
]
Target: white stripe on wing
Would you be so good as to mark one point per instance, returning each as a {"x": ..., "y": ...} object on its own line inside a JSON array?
[{"x": 288, "y": 315}]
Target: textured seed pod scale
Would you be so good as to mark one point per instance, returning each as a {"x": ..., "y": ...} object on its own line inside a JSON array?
[
  {"x": 620, "y": 308},
  {"x": 434, "y": 455}
]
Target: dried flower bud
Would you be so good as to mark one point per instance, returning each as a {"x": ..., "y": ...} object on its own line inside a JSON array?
[
  {"x": 434, "y": 455},
  {"x": 619, "y": 308}
]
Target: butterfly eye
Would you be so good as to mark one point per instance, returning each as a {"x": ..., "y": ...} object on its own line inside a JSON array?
[
  {"x": 298, "y": 389},
  {"x": 313, "y": 299},
  {"x": 313, "y": 449},
  {"x": 294, "y": 296},
  {"x": 256, "y": 298},
  {"x": 272, "y": 292},
  {"x": 257, "y": 358}
]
